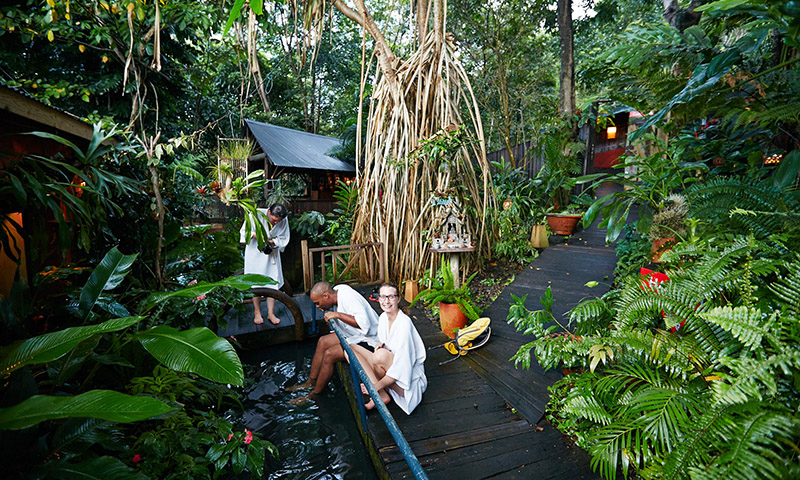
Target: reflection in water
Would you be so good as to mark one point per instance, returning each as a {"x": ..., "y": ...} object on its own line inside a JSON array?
[{"x": 318, "y": 440}]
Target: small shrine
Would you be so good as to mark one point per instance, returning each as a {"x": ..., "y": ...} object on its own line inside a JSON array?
[
  {"x": 450, "y": 229},
  {"x": 451, "y": 234}
]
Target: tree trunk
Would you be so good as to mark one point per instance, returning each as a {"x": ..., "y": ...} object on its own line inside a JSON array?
[
  {"x": 160, "y": 217},
  {"x": 566, "y": 90},
  {"x": 682, "y": 18}
]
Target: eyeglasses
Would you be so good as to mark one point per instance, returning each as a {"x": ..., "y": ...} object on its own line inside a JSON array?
[{"x": 387, "y": 297}]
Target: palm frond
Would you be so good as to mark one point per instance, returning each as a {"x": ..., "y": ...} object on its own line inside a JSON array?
[{"x": 754, "y": 447}]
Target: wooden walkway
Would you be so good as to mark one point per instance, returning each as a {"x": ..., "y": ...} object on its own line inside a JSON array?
[
  {"x": 483, "y": 418},
  {"x": 480, "y": 416}
]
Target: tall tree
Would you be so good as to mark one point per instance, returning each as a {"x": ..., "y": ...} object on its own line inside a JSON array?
[
  {"x": 415, "y": 103},
  {"x": 566, "y": 89},
  {"x": 512, "y": 66}
]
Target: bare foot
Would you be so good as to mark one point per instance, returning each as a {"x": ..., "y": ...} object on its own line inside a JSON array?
[
  {"x": 371, "y": 404},
  {"x": 304, "y": 399},
  {"x": 258, "y": 320},
  {"x": 273, "y": 319},
  {"x": 300, "y": 386}
]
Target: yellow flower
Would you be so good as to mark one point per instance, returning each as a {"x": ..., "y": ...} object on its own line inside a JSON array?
[
  {"x": 82, "y": 48},
  {"x": 105, "y": 59}
]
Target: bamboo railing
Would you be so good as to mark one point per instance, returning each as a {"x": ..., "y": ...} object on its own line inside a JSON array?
[{"x": 362, "y": 263}]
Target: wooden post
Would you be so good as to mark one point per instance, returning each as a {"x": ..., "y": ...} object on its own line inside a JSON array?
[
  {"x": 308, "y": 274},
  {"x": 384, "y": 262},
  {"x": 412, "y": 289}
]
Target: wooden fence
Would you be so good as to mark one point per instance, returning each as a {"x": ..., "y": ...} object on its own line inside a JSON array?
[{"x": 362, "y": 263}]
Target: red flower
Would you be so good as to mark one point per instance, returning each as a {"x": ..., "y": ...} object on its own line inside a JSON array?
[
  {"x": 248, "y": 436},
  {"x": 230, "y": 436},
  {"x": 136, "y": 458}
]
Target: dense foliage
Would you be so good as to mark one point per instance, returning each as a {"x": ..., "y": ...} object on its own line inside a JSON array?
[{"x": 692, "y": 372}]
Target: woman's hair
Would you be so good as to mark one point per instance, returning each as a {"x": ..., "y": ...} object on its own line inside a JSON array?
[
  {"x": 390, "y": 285},
  {"x": 402, "y": 307},
  {"x": 279, "y": 210}
]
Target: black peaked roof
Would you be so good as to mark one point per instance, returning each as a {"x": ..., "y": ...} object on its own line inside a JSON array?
[{"x": 297, "y": 149}]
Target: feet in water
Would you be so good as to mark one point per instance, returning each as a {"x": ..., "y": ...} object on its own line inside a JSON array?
[
  {"x": 273, "y": 319},
  {"x": 304, "y": 399},
  {"x": 300, "y": 386}
]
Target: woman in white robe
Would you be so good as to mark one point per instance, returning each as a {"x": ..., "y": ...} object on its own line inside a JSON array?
[
  {"x": 396, "y": 367},
  {"x": 255, "y": 261}
]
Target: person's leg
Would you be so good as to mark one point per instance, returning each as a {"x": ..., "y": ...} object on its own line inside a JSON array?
[
  {"x": 324, "y": 342},
  {"x": 257, "y": 319},
  {"x": 366, "y": 358},
  {"x": 332, "y": 355},
  {"x": 271, "y": 311},
  {"x": 381, "y": 362}
]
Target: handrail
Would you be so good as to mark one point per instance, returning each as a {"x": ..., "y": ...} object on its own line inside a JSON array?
[
  {"x": 357, "y": 371},
  {"x": 365, "y": 255}
]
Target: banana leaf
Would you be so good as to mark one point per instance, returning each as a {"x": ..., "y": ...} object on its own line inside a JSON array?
[
  {"x": 51, "y": 346},
  {"x": 105, "y": 404},
  {"x": 239, "y": 282},
  {"x": 100, "y": 468},
  {"x": 108, "y": 274},
  {"x": 197, "y": 350}
]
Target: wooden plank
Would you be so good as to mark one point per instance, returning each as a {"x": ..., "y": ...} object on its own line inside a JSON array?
[
  {"x": 31, "y": 109},
  {"x": 308, "y": 267},
  {"x": 453, "y": 441}
]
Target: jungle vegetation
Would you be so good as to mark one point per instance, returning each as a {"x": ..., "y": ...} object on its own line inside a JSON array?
[{"x": 695, "y": 378}]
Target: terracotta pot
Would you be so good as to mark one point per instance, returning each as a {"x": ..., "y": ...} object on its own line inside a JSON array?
[
  {"x": 450, "y": 318},
  {"x": 539, "y": 237},
  {"x": 660, "y": 245},
  {"x": 562, "y": 224}
]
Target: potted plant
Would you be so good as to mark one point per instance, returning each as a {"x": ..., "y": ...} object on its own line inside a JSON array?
[
  {"x": 539, "y": 237},
  {"x": 561, "y": 164},
  {"x": 523, "y": 206},
  {"x": 653, "y": 180},
  {"x": 455, "y": 303}
]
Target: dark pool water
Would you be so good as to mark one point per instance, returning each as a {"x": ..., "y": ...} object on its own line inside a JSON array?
[{"x": 318, "y": 440}]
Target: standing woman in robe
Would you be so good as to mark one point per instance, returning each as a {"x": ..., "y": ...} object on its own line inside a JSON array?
[
  {"x": 397, "y": 366},
  {"x": 255, "y": 261}
]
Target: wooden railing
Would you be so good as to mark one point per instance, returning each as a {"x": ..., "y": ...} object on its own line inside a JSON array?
[{"x": 362, "y": 263}]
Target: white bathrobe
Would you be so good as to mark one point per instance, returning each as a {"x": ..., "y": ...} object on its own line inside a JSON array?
[
  {"x": 352, "y": 303},
  {"x": 408, "y": 367},
  {"x": 256, "y": 261}
]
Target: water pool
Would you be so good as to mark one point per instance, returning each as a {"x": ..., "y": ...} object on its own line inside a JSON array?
[{"x": 318, "y": 440}]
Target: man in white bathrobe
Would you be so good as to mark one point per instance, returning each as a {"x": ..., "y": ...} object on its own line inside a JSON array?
[
  {"x": 256, "y": 261},
  {"x": 357, "y": 321}
]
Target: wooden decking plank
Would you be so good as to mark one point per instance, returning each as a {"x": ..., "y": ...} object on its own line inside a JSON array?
[
  {"x": 453, "y": 441},
  {"x": 492, "y": 458}
]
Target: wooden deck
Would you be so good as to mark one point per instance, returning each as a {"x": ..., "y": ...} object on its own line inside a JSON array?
[{"x": 481, "y": 417}]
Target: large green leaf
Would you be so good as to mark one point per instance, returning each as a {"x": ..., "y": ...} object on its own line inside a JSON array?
[
  {"x": 50, "y": 346},
  {"x": 106, "y": 404},
  {"x": 108, "y": 274},
  {"x": 197, "y": 350},
  {"x": 239, "y": 282},
  {"x": 786, "y": 173},
  {"x": 101, "y": 468}
]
